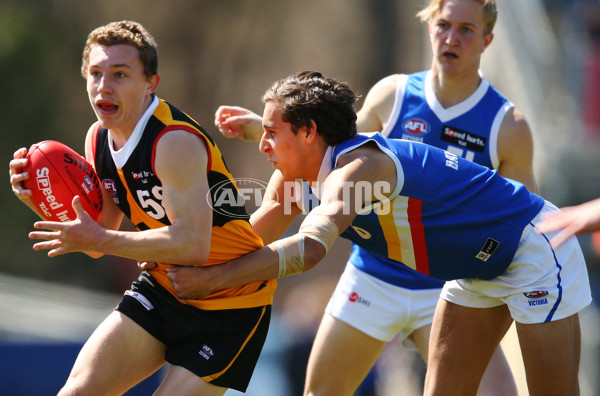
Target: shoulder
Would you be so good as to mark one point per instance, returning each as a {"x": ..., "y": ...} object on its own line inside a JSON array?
[
  {"x": 180, "y": 152},
  {"x": 356, "y": 167},
  {"x": 367, "y": 156},
  {"x": 386, "y": 86},
  {"x": 378, "y": 104},
  {"x": 180, "y": 142},
  {"x": 514, "y": 129}
]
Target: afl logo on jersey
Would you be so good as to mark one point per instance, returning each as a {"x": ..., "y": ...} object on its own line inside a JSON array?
[
  {"x": 110, "y": 186},
  {"x": 416, "y": 126}
]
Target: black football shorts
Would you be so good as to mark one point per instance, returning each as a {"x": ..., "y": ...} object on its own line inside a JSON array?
[{"x": 221, "y": 346}]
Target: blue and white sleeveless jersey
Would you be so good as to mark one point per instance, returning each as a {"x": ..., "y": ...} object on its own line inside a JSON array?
[
  {"x": 448, "y": 217},
  {"x": 468, "y": 129}
]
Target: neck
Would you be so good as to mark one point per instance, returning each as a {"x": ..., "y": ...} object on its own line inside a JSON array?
[
  {"x": 451, "y": 90},
  {"x": 121, "y": 135}
]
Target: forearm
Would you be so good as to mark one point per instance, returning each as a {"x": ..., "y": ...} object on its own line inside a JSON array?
[
  {"x": 259, "y": 265},
  {"x": 265, "y": 264},
  {"x": 165, "y": 244}
]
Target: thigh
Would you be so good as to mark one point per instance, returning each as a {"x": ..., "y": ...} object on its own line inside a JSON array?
[
  {"x": 340, "y": 359},
  {"x": 462, "y": 342},
  {"x": 420, "y": 337},
  {"x": 118, "y": 355},
  {"x": 181, "y": 381},
  {"x": 498, "y": 378},
  {"x": 551, "y": 353}
]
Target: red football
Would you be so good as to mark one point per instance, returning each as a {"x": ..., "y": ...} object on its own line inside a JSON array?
[{"x": 56, "y": 174}]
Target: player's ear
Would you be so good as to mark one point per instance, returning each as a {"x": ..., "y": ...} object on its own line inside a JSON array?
[
  {"x": 311, "y": 131},
  {"x": 153, "y": 83},
  {"x": 487, "y": 40}
]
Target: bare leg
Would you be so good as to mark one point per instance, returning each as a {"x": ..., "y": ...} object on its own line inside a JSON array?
[
  {"x": 498, "y": 379},
  {"x": 180, "y": 381},
  {"x": 551, "y": 353},
  {"x": 117, "y": 356},
  {"x": 340, "y": 359},
  {"x": 420, "y": 337},
  {"x": 461, "y": 346}
]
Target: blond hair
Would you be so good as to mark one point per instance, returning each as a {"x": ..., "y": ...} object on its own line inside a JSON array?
[{"x": 490, "y": 13}]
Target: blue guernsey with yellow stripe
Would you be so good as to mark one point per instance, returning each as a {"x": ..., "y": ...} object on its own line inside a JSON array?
[{"x": 448, "y": 217}]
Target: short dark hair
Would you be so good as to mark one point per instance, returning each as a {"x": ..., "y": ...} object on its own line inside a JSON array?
[
  {"x": 123, "y": 32},
  {"x": 307, "y": 96}
]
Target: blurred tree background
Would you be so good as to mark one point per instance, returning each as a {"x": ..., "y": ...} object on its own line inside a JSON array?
[{"x": 229, "y": 51}]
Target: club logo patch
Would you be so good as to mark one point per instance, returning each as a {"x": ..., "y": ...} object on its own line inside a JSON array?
[
  {"x": 488, "y": 249},
  {"x": 536, "y": 297},
  {"x": 206, "y": 352},
  {"x": 536, "y": 294}
]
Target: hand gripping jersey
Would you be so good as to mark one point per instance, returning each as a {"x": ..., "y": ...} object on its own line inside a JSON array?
[
  {"x": 468, "y": 129},
  {"x": 448, "y": 217},
  {"x": 137, "y": 191}
]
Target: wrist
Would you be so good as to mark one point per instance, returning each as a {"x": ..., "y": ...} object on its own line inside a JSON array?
[
  {"x": 251, "y": 132},
  {"x": 215, "y": 278}
]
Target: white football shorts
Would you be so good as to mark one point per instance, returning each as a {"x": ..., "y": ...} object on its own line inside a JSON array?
[
  {"x": 541, "y": 284},
  {"x": 379, "y": 309}
]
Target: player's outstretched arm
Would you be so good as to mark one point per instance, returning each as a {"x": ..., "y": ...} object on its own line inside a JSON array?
[
  {"x": 305, "y": 249},
  {"x": 572, "y": 220},
  {"x": 284, "y": 257},
  {"x": 235, "y": 121}
]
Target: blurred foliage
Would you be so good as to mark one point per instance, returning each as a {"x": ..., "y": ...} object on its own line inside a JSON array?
[{"x": 210, "y": 53}]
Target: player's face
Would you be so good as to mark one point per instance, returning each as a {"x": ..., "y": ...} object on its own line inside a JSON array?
[
  {"x": 457, "y": 39},
  {"x": 118, "y": 89},
  {"x": 285, "y": 149}
]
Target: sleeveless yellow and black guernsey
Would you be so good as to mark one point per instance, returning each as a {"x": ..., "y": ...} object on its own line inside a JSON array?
[{"x": 138, "y": 193}]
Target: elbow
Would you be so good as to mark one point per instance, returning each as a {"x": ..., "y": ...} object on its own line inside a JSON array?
[
  {"x": 193, "y": 251},
  {"x": 194, "y": 256},
  {"x": 314, "y": 252}
]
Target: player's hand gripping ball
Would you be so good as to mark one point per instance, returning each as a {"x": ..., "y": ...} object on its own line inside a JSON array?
[{"x": 56, "y": 174}]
